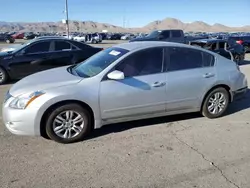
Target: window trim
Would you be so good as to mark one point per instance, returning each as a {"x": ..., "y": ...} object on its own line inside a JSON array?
[
  {"x": 167, "y": 59},
  {"x": 64, "y": 50},
  {"x": 105, "y": 77}
]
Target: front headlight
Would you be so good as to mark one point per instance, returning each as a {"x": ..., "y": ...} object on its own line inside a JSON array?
[{"x": 23, "y": 101}]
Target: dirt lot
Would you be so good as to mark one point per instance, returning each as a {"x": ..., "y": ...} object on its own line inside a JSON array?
[{"x": 184, "y": 151}]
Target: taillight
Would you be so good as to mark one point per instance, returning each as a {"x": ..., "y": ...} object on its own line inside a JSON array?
[{"x": 239, "y": 41}]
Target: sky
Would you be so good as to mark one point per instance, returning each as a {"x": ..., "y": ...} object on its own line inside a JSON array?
[{"x": 135, "y": 13}]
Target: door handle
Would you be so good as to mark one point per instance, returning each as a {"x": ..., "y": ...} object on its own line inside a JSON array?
[
  {"x": 208, "y": 75},
  {"x": 158, "y": 84}
]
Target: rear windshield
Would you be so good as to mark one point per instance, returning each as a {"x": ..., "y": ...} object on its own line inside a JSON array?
[{"x": 98, "y": 62}]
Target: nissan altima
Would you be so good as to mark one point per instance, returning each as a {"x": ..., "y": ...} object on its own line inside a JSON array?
[{"x": 126, "y": 82}]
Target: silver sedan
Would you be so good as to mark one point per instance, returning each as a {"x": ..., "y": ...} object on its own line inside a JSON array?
[{"x": 126, "y": 82}]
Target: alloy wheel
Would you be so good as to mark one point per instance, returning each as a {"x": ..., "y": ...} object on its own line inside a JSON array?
[
  {"x": 217, "y": 103},
  {"x": 1, "y": 76},
  {"x": 68, "y": 124}
]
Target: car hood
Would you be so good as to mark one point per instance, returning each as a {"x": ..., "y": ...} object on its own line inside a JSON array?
[
  {"x": 44, "y": 80},
  {"x": 10, "y": 48},
  {"x": 4, "y": 54}
]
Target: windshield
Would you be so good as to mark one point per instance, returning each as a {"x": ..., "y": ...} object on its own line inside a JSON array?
[
  {"x": 154, "y": 34},
  {"x": 23, "y": 45},
  {"x": 97, "y": 63}
]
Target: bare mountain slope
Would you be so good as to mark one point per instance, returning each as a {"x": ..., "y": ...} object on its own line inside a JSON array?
[{"x": 168, "y": 23}]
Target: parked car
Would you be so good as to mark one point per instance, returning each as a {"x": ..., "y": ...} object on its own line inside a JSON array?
[
  {"x": 41, "y": 54},
  {"x": 126, "y": 82},
  {"x": 128, "y": 37},
  {"x": 232, "y": 51},
  {"x": 115, "y": 36},
  {"x": 173, "y": 35},
  {"x": 243, "y": 40},
  {"x": 18, "y": 35},
  {"x": 28, "y": 36},
  {"x": 6, "y": 38},
  {"x": 93, "y": 38},
  {"x": 80, "y": 38}
]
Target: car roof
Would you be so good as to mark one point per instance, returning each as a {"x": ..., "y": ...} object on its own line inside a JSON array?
[
  {"x": 132, "y": 46},
  {"x": 209, "y": 40},
  {"x": 51, "y": 38}
]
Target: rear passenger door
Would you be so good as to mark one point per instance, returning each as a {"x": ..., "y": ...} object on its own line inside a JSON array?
[
  {"x": 165, "y": 35},
  {"x": 190, "y": 73},
  {"x": 62, "y": 55},
  {"x": 177, "y": 36}
]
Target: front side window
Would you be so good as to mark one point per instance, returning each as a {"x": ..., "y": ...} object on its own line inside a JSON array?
[
  {"x": 145, "y": 62},
  {"x": 221, "y": 45},
  {"x": 38, "y": 47},
  {"x": 98, "y": 62},
  {"x": 184, "y": 58}
]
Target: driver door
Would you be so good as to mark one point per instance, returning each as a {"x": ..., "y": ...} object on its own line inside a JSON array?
[
  {"x": 26, "y": 62},
  {"x": 141, "y": 93}
]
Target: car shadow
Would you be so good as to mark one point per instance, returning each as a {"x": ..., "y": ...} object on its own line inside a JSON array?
[
  {"x": 120, "y": 127},
  {"x": 239, "y": 105}
]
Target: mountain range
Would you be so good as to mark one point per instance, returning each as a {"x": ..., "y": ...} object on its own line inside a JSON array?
[{"x": 91, "y": 26}]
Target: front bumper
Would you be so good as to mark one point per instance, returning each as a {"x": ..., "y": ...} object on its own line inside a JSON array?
[{"x": 20, "y": 122}]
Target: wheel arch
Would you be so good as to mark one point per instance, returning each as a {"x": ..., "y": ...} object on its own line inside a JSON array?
[
  {"x": 60, "y": 103},
  {"x": 225, "y": 86}
]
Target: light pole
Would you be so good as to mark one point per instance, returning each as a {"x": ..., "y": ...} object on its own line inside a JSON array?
[{"x": 67, "y": 17}]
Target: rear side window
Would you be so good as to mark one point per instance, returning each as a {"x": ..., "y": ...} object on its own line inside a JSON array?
[
  {"x": 165, "y": 34},
  {"x": 208, "y": 59},
  {"x": 61, "y": 45},
  {"x": 176, "y": 34},
  {"x": 185, "y": 58}
]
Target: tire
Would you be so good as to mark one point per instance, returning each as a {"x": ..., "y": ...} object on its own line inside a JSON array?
[
  {"x": 237, "y": 58},
  {"x": 7, "y": 41},
  {"x": 246, "y": 49},
  {"x": 207, "y": 103},
  {"x": 54, "y": 122},
  {"x": 3, "y": 76}
]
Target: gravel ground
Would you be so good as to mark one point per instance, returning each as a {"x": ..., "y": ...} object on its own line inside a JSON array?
[{"x": 184, "y": 151}]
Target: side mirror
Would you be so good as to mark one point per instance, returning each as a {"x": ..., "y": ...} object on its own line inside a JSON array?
[{"x": 116, "y": 75}]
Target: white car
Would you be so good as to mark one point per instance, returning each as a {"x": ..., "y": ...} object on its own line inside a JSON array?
[{"x": 80, "y": 38}]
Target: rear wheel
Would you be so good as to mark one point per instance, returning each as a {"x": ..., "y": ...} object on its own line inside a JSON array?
[
  {"x": 68, "y": 123},
  {"x": 3, "y": 76},
  {"x": 7, "y": 41},
  {"x": 237, "y": 58},
  {"x": 246, "y": 49},
  {"x": 215, "y": 103}
]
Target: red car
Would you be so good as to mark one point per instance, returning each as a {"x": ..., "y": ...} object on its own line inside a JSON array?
[{"x": 18, "y": 36}]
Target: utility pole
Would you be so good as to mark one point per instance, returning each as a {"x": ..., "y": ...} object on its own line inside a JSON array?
[{"x": 67, "y": 17}]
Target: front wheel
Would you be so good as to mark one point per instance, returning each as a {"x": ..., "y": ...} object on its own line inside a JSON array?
[
  {"x": 3, "y": 76},
  {"x": 68, "y": 123},
  {"x": 216, "y": 103}
]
